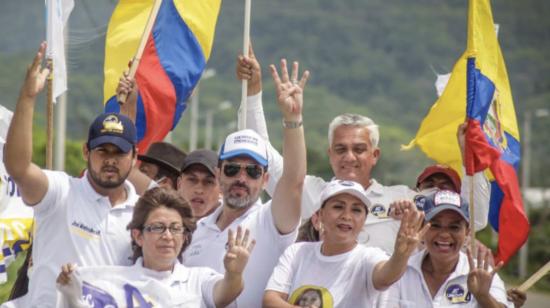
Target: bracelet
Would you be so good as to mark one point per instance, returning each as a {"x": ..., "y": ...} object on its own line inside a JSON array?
[{"x": 292, "y": 124}]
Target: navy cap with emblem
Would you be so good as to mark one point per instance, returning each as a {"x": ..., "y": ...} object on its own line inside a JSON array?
[
  {"x": 440, "y": 201},
  {"x": 112, "y": 128}
]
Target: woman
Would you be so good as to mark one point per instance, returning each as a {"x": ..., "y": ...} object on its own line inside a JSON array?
[
  {"x": 341, "y": 272},
  {"x": 161, "y": 229},
  {"x": 442, "y": 273}
]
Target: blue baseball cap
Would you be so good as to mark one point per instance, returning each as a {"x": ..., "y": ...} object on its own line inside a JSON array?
[
  {"x": 440, "y": 201},
  {"x": 245, "y": 142},
  {"x": 112, "y": 128}
]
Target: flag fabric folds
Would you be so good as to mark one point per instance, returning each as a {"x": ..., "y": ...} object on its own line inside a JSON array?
[
  {"x": 174, "y": 58},
  {"x": 57, "y": 12},
  {"x": 479, "y": 91}
]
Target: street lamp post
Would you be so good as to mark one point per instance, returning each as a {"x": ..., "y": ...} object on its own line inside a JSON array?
[
  {"x": 194, "y": 121},
  {"x": 229, "y": 128},
  {"x": 209, "y": 125},
  {"x": 526, "y": 177}
]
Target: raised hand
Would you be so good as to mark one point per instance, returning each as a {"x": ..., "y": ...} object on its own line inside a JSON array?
[
  {"x": 397, "y": 209},
  {"x": 289, "y": 90},
  {"x": 517, "y": 297},
  {"x": 480, "y": 276},
  {"x": 248, "y": 68},
  {"x": 238, "y": 251},
  {"x": 64, "y": 277},
  {"x": 411, "y": 230},
  {"x": 36, "y": 75},
  {"x": 127, "y": 87}
]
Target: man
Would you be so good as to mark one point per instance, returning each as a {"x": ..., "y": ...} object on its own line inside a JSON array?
[
  {"x": 77, "y": 220},
  {"x": 441, "y": 177},
  {"x": 161, "y": 163},
  {"x": 198, "y": 183},
  {"x": 243, "y": 175},
  {"x": 353, "y": 153}
]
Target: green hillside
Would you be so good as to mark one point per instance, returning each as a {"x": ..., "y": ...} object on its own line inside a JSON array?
[{"x": 373, "y": 57}]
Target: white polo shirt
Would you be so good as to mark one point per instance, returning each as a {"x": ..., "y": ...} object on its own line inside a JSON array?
[
  {"x": 343, "y": 280},
  {"x": 209, "y": 245},
  {"x": 75, "y": 224},
  {"x": 412, "y": 291}
]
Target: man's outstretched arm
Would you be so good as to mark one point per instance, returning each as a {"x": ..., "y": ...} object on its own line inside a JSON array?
[{"x": 31, "y": 180}]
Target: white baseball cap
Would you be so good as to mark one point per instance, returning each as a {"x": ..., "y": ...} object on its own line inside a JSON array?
[
  {"x": 336, "y": 187},
  {"x": 245, "y": 142}
]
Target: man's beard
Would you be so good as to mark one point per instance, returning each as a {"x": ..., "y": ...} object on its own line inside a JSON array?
[
  {"x": 235, "y": 202},
  {"x": 108, "y": 184}
]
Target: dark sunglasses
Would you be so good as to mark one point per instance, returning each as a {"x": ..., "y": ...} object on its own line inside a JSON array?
[{"x": 232, "y": 169}]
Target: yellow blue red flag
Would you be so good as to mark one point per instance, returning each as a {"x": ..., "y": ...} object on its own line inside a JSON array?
[
  {"x": 175, "y": 56},
  {"x": 479, "y": 92}
]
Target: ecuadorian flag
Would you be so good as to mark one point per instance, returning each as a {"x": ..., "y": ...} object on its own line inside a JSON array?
[
  {"x": 174, "y": 58},
  {"x": 479, "y": 91}
]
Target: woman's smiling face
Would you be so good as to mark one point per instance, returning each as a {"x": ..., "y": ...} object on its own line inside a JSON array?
[{"x": 446, "y": 235}]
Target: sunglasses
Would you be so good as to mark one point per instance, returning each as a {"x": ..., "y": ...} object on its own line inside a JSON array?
[
  {"x": 252, "y": 170},
  {"x": 175, "y": 229}
]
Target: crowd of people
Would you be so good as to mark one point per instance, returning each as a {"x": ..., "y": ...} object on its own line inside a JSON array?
[{"x": 181, "y": 229}]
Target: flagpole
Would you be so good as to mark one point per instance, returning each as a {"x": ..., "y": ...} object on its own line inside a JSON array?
[
  {"x": 137, "y": 58},
  {"x": 472, "y": 216},
  {"x": 246, "y": 44},
  {"x": 49, "y": 116},
  {"x": 535, "y": 277}
]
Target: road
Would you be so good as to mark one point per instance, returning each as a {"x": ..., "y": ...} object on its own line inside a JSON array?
[{"x": 537, "y": 300}]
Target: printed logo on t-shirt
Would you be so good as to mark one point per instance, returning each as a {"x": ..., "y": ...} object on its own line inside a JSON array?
[
  {"x": 312, "y": 296},
  {"x": 379, "y": 211},
  {"x": 194, "y": 250},
  {"x": 85, "y": 231},
  {"x": 420, "y": 202},
  {"x": 455, "y": 293}
]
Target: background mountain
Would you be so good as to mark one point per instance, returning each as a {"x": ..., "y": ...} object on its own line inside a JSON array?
[{"x": 377, "y": 58}]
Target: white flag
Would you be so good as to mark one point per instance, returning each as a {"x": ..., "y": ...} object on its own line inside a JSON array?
[{"x": 58, "y": 12}]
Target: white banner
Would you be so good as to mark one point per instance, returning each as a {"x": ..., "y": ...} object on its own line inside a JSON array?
[{"x": 125, "y": 286}]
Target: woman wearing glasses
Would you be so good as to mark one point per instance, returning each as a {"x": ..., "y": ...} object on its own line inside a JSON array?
[{"x": 161, "y": 229}]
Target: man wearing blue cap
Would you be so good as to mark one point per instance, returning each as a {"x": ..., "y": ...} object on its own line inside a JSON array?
[
  {"x": 242, "y": 170},
  {"x": 77, "y": 220}
]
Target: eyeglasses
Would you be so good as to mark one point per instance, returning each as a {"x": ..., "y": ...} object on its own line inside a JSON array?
[
  {"x": 232, "y": 169},
  {"x": 175, "y": 229}
]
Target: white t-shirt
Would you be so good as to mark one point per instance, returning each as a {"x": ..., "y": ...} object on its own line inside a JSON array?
[
  {"x": 75, "y": 224},
  {"x": 182, "y": 287},
  {"x": 412, "y": 291},
  {"x": 344, "y": 280},
  {"x": 209, "y": 244}
]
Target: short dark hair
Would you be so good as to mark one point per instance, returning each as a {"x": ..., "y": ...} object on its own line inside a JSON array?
[{"x": 153, "y": 199}]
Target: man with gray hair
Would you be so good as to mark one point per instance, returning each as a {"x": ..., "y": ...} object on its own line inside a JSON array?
[{"x": 353, "y": 152}]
